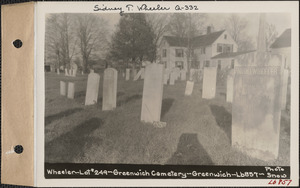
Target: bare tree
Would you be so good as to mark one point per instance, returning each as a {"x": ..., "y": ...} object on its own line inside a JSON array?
[
  {"x": 91, "y": 32},
  {"x": 59, "y": 39},
  {"x": 158, "y": 23},
  {"x": 271, "y": 34}
]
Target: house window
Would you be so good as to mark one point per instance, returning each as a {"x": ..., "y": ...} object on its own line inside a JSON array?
[
  {"x": 207, "y": 63},
  {"x": 179, "y": 64},
  {"x": 225, "y": 36},
  {"x": 219, "y": 64},
  {"x": 232, "y": 63},
  {"x": 219, "y": 47},
  {"x": 179, "y": 52},
  {"x": 164, "y": 53}
]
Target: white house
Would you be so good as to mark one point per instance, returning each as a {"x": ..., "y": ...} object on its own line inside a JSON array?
[
  {"x": 205, "y": 47},
  {"x": 282, "y": 45}
]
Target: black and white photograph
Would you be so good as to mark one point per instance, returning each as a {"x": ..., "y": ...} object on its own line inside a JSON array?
[{"x": 153, "y": 94}]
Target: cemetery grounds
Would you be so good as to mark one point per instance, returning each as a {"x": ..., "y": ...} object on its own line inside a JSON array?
[{"x": 198, "y": 131}]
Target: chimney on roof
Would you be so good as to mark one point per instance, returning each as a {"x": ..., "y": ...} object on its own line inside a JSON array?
[{"x": 209, "y": 30}]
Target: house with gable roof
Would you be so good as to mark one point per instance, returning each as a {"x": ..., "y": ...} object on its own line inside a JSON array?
[{"x": 173, "y": 50}]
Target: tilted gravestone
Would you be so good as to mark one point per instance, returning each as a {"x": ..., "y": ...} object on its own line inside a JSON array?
[
  {"x": 189, "y": 88},
  {"x": 71, "y": 90},
  {"x": 110, "y": 89},
  {"x": 139, "y": 74},
  {"x": 92, "y": 90},
  {"x": 63, "y": 88},
  {"x": 256, "y": 105},
  {"x": 209, "y": 82},
  {"x": 152, "y": 93},
  {"x": 229, "y": 87},
  {"x": 127, "y": 74},
  {"x": 284, "y": 87}
]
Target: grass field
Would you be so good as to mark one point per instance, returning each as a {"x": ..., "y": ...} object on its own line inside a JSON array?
[{"x": 198, "y": 131}]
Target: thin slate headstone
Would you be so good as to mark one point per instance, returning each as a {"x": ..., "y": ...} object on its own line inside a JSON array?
[
  {"x": 63, "y": 88},
  {"x": 152, "y": 93},
  {"x": 71, "y": 90},
  {"x": 189, "y": 88},
  {"x": 139, "y": 74},
  {"x": 209, "y": 82},
  {"x": 284, "y": 88},
  {"x": 134, "y": 71},
  {"x": 229, "y": 87},
  {"x": 92, "y": 90},
  {"x": 57, "y": 71},
  {"x": 192, "y": 72},
  {"x": 66, "y": 72},
  {"x": 110, "y": 89},
  {"x": 127, "y": 74}
]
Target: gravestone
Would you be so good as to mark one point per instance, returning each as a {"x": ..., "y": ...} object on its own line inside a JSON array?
[
  {"x": 183, "y": 75},
  {"x": 92, "y": 90},
  {"x": 166, "y": 77},
  {"x": 172, "y": 78},
  {"x": 82, "y": 73},
  {"x": 63, "y": 88},
  {"x": 189, "y": 88},
  {"x": 143, "y": 73},
  {"x": 110, "y": 89},
  {"x": 284, "y": 88},
  {"x": 134, "y": 73},
  {"x": 71, "y": 90},
  {"x": 209, "y": 82},
  {"x": 177, "y": 73},
  {"x": 229, "y": 87},
  {"x": 192, "y": 72},
  {"x": 256, "y": 105},
  {"x": 152, "y": 93},
  {"x": 66, "y": 72},
  {"x": 92, "y": 71},
  {"x": 57, "y": 70},
  {"x": 127, "y": 74},
  {"x": 139, "y": 74}
]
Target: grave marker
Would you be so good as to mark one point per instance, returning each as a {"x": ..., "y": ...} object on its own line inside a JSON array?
[
  {"x": 209, "y": 83},
  {"x": 92, "y": 90},
  {"x": 152, "y": 93},
  {"x": 71, "y": 90},
  {"x": 127, "y": 74},
  {"x": 183, "y": 75},
  {"x": 138, "y": 75},
  {"x": 63, "y": 88},
  {"x": 134, "y": 73},
  {"x": 172, "y": 78},
  {"x": 284, "y": 88},
  {"x": 110, "y": 89},
  {"x": 66, "y": 72},
  {"x": 229, "y": 87},
  {"x": 189, "y": 88},
  {"x": 57, "y": 70}
]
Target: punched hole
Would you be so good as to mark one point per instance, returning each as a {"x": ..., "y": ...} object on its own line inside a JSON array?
[
  {"x": 18, "y": 149},
  {"x": 18, "y": 43}
]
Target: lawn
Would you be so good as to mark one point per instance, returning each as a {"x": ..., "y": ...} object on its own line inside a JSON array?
[{"x": 198, "y": 130}]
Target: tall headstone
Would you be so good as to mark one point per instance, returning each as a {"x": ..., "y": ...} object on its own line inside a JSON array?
[
  {"x": 189, "y": 88},
  {"x": 284, "y": 87},
  {"x": 209, "y": 82},
  {"x": 63, "y": 88},
  {"x": 183, "y": 75},
  {"x": 57, "y": 71},
  {"x": 71, "y": 90},
  {"x": 166, "y": 77},
  {"x": 127, "y": 74},
  {"x": 152, "y": 93},
  {"x": 192, "y": 72},
  {"x": 110, "y": 89},
  {"x": 229, "y": 87},
  {"x": 92, "y": 90},
  {"x": 256, "y": 106}
]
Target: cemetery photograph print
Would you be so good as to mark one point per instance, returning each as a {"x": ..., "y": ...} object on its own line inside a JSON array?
[{"x": 181, "y": 89}]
